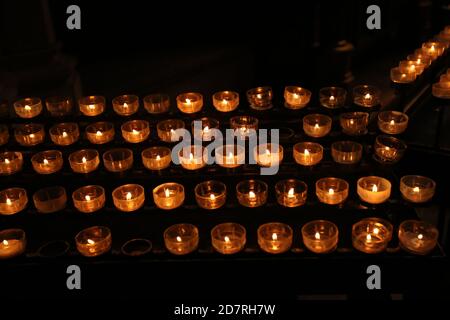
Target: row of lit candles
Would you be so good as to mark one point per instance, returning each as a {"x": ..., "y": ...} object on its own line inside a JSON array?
[
  {"x": 212, "y": 194},
  {"x": 441, "y": 89},
  {"x": 415, "y": 64},
  {"x": 370, "y": 235}
]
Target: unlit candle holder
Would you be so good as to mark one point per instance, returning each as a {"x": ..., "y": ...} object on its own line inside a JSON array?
[
  {"x": 50, "y": 199},
  {"x": 157, "y": 103},
  {"x": 346, "y": 152},
  {"x": 118, "y": 160},
  {"x": 59, "y": 106},
  {"x": 260, "y": 98}
]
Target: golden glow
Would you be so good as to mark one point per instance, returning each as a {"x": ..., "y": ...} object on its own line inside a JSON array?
[
  {"x": 251, "y": 194},
  {"x": 88, "y": 197},
  {"x": 331, "y": 191},
  {"x": 167, "y": 193}
]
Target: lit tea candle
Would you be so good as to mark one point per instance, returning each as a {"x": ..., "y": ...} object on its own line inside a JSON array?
[
  {"x": 118, "y": 160},
  {"x": 181, "y": 238},
  {"x": 354, "y": 123},
  {"x": 226, "y": 101},
  {"x": 47, "y": 162},
  {"x": 94, "y": 241},
  {"x": 366, "y": 96},
  {"x": 433, "y": 49},
  {"x": 403, "y": 75},
  {"x": 168, "y": 196},
  {"x": 12, "y": 200},
  {"x": 129, "y": 197},
  {"x": 59, "y": 106},
  {"x": 89, "y": 199},
  {"x": 84, "y": 161},
  {"x": 245, "y": 125},
  {"x": 419, "y": 58},
  {"x": 156, "y": 158},
  {"x": 291, "y": 193},
  {"x": 10, "y": 162},
  {"x": 441, "y": 89},
  {"x": 126, "y": 105},
  {"x": 157, "y": 103},
  {"x": 4, "y": 134},
  {"x": 417, "y": 237},
  {"x": 373, "y": 189},
  {"x": 167, "y": 129},
  {"x": 50, "y": 199},
  {"x": 210, "y": 194},
  {"x": 228, "y": 238},
  {"x": 308, "y": 153},
  {"x": 320, "y": 236},
  {"x": 12, "y": 243},
  {"x": 317, "y": 125},
  {"x": 28, "y": 135},
  {"x": 251, "y": 193},
  {"x": 92, "y": 106},
  {"x": 346, "y": 152},
  {"x": 371, "y": 235},
  {"x": 135, "y": 131},
  {"x": 230, "y": 156},
  {"x": 296, "y": 97},
  {"x": 190, "y": 102},
  {"x": 260, "y": 98},
  {"x": 332, "y": 190},
  {"x": 100, "y": 132},
  {"x": 193, "y": 157},
  {"x": 64, "y": 134},
  {"x": 28, "y": 107},
  {"x": 417, "y": 189},
  {"x": 388, "y": 149},
  {"x": 407, "y": 66},
  {"x": 268, "y": 154},
  {"x": 205, "y": 130},
  {"x": 275, "y": 237},
  {"x": 332, "y": 97},
  {"x": 392, "y": 122}
]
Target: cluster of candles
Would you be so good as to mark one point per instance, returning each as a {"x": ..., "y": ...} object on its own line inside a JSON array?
[
  {"x": 441, "y": 89},
  {"x": 212, "y": 194},
  {"x": 370, "y": 235},
  {"x": 416, "y": 63}
]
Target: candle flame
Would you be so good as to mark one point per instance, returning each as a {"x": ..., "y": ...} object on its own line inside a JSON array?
[
  {"x": 306, "y": 152},
  {"x": 317, "y": 236},
  {"x": 295, "y": 96},
  {"x": 178, "y": 238},
  {"x": 316, "y": 126},
  {"x": 99, "y": 133},
  {"x": 332, "y": 98},
  {"x": 64, "y": 134},
  {"x": 8, "y": 201},
  {"x": 416, "y": 189},
  {"x": 90, "y": 241},
  {"x": 7, "y": 161},
  {"x": 351, "y": 121},
  {"x": 367, "y": 96},
  {"x": 392, "y": 122},
  {"x": 167, "y": 193},
  {"x": 432, "y": 49},
  {"x": 419, "y": 61},
  {"x": 134, "y": 131},
  {"x": 251, "y": 194},
  {"x": 91, "y": 106},
  {"x": 403, "y": 75},
  {"x": 125, "y": 105},
  {"x": 31, "y": 135},
  {"x": 412, "y": 68},
  {"x": 188, "y": 101},
  {"x": 259, "y": 96},
  {"x": 191, "y": 157},
  {"x": 5, "y": 242},
  {"x": 274, "y": 236},
  {"x": 212, "y": 196},
  {"x": 268, "y": 152},
  {"x": 224, "y": 101},
  {"x": 331, "y": 191},
  {"x": 369, "y": 237},
  {"x": 230, "y": 155},
  {"x": 129, "y": 195},
  {"x": 376, "y": 230},
  {"x": 84, "y": 160},
  {"x": 291, "y": 192},
  {"x": 27, "y": 107},
  {"x": 227, "y": 239},
  {"x": 420, "y": 236},
  {"x": 206, "y": 129},
  {"x": 387, "y": 148},
  {"x": 88, "y": 197},
  {"x": 45, "y": 162},
  {"x": 374, "y": 188},
  {"x": 158, "y": 157}
]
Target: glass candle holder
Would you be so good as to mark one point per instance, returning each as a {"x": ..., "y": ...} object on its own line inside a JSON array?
[
  {"x": 332, "y": 97},
  {"x": 190, "y": 102},
  {"x": 320, "y": 236},
  {"x": 28, "y": 108},
  {"x": 136, "y": 247},
  {"x": 157, "y": 103},
  {"x": 4, "y": 134},
  {"x": 441, "y": 89},
  {"x": 210, "y": 194},
  {"x": 100, "y": 132},
  {"x": 47, "y": 162},
  {"x": 50, "y": 199},
  {"x": 228, "y": 238},
  {"x": 371, "y": 235},
  {"x": 118, "y": 160},
  {"x": 296, "y": 97},
  {"x": 373, "y": 189},
  {"x": 354, "y": 123},
  {"x": 417, "y": 237},
  {"x": 126, "y": 104},
  {"x": 346, "y": 152},
  {"x": 417, "y": 189},
  {"x": 129, "y": 197},
  {"x": 94, "y": 241},
  {"x": 92, "y": 106},
  {"x": 226, "y": 101},
  {"x": 246, "y": 125},
  {"x": 64, "y": 134},
  {"x": 433, "y": 49},
  {"x": 291, "y": 193},
  {"x": 268, "y": 154},
  {"x": 192, "y": 157},
  {"x": 260, "y": 98},
  {"x": 84, "y": 161},
  {"x": 28, "y": 135},
  {"x": 230, "y": 156},
  {"x": 59, "y": 106},
  {"x": 275, "y": 237},
  {"x": 89, "y": 199},
  {"x": 10, "y": 162},
  {"x": 168, "y": 196},
  {"x": 135, "y": 131},
  {"x": 392, "y": 122},
  {"x": 419, "y": 58},
  {"x": 317, "y": 125},
  {"x": 332, "y": 190},
  {"x": 307, "y": 153},
  {"x": 166, "y": 129},
  {"x": 403, "y": 75},
  {"x": 156, "y": 158},
  {"x": 251, "y": 193},
  {"x": 12, "y": 243},
  {"x": 181, "y": 238},
  {"x": 388, "y": 149},
  {"x": 202, "y": 129},
  {"x": 12, "y": 201},
  {"x": 366, "y": 96},
  {"x": 408, "y": 66}
]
